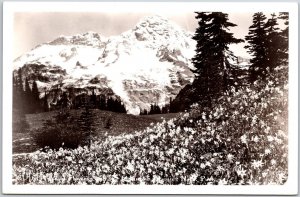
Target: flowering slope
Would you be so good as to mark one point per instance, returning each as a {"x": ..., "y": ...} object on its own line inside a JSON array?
[{"x": 241, "y": 140}]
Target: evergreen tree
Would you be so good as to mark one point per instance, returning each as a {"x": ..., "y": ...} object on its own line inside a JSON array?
[
  {"x": 151, "y": 109},
  {"x": 45, "y": 103},
  {"x": 145, "y": 112},
  {"x": 110, "y": 105},
  {"x": 86, "y": 124},
  {"x": 61, "y": 130},
  {"x": 16, "y": 104},
  {"x": 72, "y": 97},
  {"x": 20, "y": 124},
  {"x": 157, "y": 109},
  {"x": 20, "y": 88},
  {"x": 35, "y": 97},
  {"x": 115, "y": 105},
  {"x": 175, "y": 105},
  {"x": 257, "y": 39},
  {"x": 165, "y": 109},
  {"x": 273, "y": 48},
  {"x": 282, "y": 73},
  {"x": 64, "y": 102},
  {"x": 18, "y": 93},
  {"x": 122, "y": 108},
  {"x": 269, "y": 47},
  {"x": 93, "y": 99},
  {"x": 20, "y": 82},
  {"x": 285, "y": 32},
  {"x": 28, "y": 100},
  {"x": 211, "y": 63},
  {"x": 102, "y": 103},
  {"x": 108, "y": 122},
  {"x": 27, "y": 88}
]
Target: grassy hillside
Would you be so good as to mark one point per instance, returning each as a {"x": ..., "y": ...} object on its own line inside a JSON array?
[
  {"x": 121, "y": 123},
  {"x": 241, "y": 140}
]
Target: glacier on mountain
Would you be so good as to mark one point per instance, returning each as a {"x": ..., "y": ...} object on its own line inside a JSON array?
[{"x": 145, "y": 65}]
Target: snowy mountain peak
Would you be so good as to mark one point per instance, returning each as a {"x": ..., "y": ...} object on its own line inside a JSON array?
[
  {"x": 157, "y": 28},
  {"x": 142, "y": 66},
  {"x": 89, "y": 38},
  {"x": 154, "y": 20}
]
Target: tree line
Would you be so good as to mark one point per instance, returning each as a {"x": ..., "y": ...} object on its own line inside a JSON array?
[
  {"x": 64, "y": 128},
  {"x": 215, "y": 75},
  {"x": 156, "y": 109},
  {"x": 98, "y": 102},
  {"x": 26, "y": 98}
]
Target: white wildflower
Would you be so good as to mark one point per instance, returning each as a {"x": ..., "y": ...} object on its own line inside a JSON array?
[
  {"x": 282, "y": 177},
  {"x": 220, "y": 168},
  {"x": 255, "y": 139},
  {"x": 241, "y": 172},
  {"x": 267, "y": 151},
  {"x": 170, "y": 151},
  {"x": 202, "y": 165},
  {"x": 193, "y": 177},
  {"x": 230, "y": 157},
  {"x": 264, "y": 174},
  {"x": 203, "y": 116},
  {"x": 273, "y": 162},
  {"x": 235, "y": 102},
  {"x": 216, "y": 114},
  {"x": 244, "y": 139},
  {"x": 257, "y": 164},
  {"x": 222, "y": 182},
  {"x": 208, "y": 163},
  {"x": 270, "y": 138},
  {"x": 267, "y": 129},
  {"x": 69, "y": 158}
]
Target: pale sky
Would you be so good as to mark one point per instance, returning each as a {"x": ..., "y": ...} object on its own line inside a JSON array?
[{"x": 34, "y": 28}]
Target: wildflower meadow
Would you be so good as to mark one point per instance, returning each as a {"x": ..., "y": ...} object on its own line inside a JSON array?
[{"x": 242, "y": 140}]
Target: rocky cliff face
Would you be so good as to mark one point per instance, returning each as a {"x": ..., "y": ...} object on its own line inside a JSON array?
[{"x": 148, "y": 64}]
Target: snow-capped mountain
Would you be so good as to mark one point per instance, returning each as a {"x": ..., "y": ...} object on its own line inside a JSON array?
[{"x": 145, "y": 65}]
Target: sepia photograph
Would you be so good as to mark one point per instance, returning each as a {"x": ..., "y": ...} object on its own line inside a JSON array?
[{"x": 139, "y": 97}]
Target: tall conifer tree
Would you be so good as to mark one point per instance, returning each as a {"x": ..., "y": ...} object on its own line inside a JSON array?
[
  {"x": 269, "y": 47},
  {"x": 284, "y": 46},
  {"x": 86, "y": 124},
  {"x": 257, "y": 39},
  {"x": 212, "y": 67},
  {"x": 273, "y": 48},
  {"x": 27, "y": 97},
  {"x": 35, "y": 97}
]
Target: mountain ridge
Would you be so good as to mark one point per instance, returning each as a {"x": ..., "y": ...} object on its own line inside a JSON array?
[{"x": 147, "y": 64}]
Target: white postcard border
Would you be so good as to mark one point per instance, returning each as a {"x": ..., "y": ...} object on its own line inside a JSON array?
[{"x": 9, "y": 8}]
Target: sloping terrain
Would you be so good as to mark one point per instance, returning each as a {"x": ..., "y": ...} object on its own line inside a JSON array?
[
  {"x": 23, "y": 140},
  {"x": 242, "y": 140}
]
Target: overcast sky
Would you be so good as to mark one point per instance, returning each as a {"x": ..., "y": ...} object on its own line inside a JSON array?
[{"x": 33, "y": 28}]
